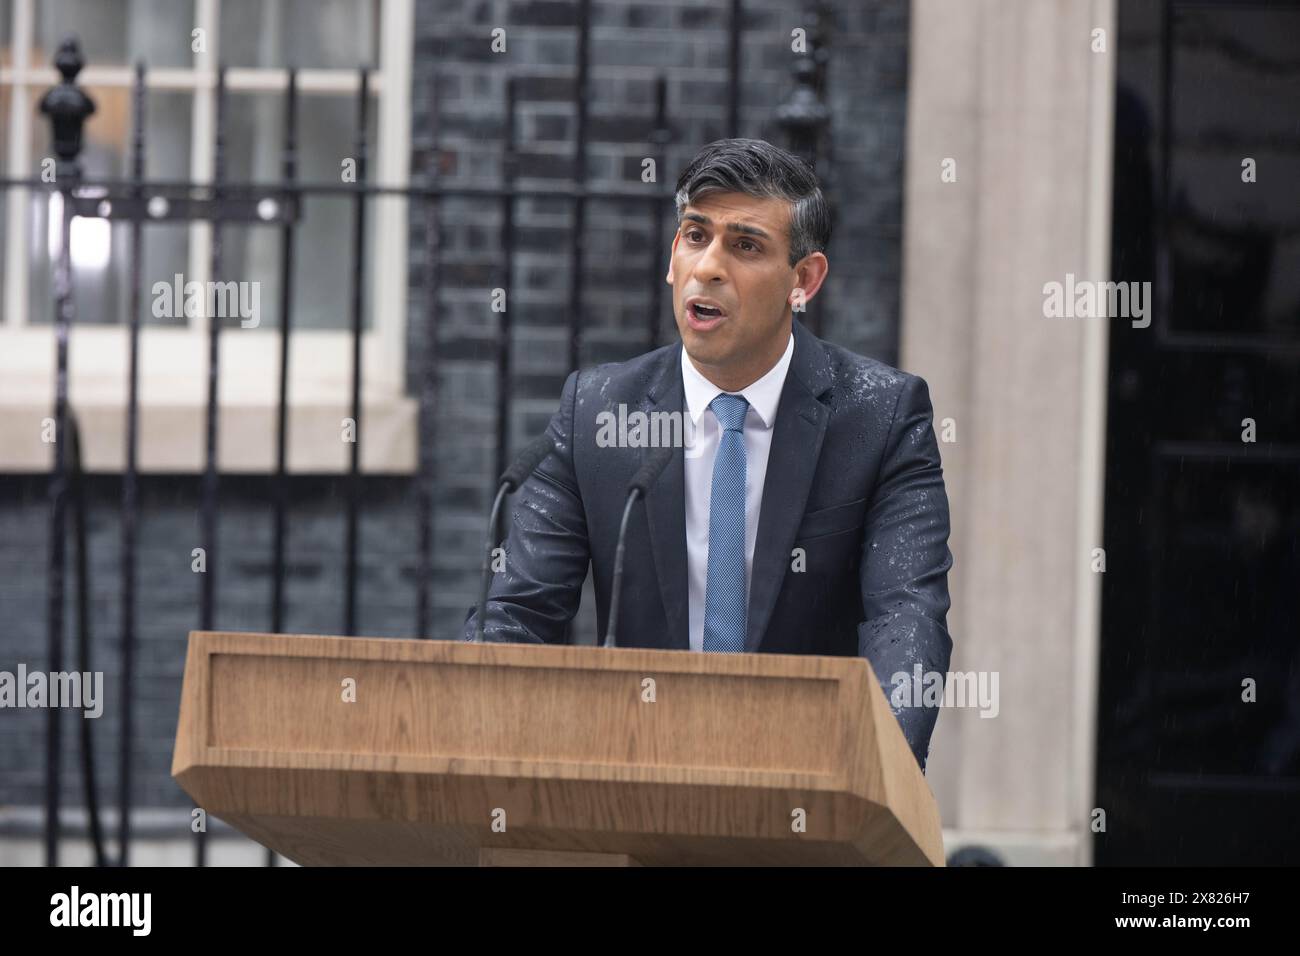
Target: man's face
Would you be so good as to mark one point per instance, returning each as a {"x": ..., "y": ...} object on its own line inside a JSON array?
[{"x": 733, "y": 251}]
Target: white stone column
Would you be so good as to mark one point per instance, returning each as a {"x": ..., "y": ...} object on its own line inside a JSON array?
[{"x": 1013, "y": 92}]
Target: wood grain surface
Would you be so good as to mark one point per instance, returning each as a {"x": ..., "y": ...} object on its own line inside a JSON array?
[{"x": 337, "y": 750}]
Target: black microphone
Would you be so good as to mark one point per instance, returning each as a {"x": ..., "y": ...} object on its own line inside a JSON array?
[
  {"x": 636, "y": 488},
  {"x": 537, "y": 451}
]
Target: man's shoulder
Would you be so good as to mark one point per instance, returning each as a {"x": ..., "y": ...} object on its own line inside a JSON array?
[
  {"x": 859, "y": 381},
  {"x": 628, "y": 380}
]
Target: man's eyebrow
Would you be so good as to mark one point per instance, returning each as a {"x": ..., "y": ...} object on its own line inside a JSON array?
[{"x": 731, "y": 226}]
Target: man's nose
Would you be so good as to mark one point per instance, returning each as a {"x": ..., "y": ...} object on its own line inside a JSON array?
[{"x": 711, "y": 265}]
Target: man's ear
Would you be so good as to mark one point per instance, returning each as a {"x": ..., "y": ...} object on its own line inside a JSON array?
[
  {"x": 669, "y": 278},
  {"x": 811, "y": 273}
]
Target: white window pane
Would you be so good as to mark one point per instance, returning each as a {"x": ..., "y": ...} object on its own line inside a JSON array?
[
  {"x": 6, "y": 59},
  {"x": 315, "y": 34},
  {"x": 6, "y": 113},
  {"x": 39, "y": 275},
  {"x": 323, "y": 270},
  {"x": 167, "y": 134},
  {"x": 6, "y": 108},
  {"x": 118, "y": 32},
  {"x": 100, "y": 249},
  {"x": 101, "y": 280},
  {"x": 6, "y": 14}
]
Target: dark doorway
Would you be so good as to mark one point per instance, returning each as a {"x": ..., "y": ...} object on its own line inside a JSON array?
[{"x": 1201, "y": 596}]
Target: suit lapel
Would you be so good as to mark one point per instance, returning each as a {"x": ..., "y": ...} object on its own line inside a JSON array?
[
  {"x": 796, "y": 444},
  {"x": 666, "y": 509}
]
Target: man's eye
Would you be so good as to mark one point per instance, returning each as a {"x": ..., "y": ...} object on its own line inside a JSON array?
[{"x": 746, "y": 242}]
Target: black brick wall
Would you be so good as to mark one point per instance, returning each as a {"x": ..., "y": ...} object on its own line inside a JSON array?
[{"x": 630, "y": 43}]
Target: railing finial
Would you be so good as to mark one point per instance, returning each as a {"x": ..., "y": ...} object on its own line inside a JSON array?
[
  {"x": 805, "y": 117},
  {"x": 67, "y": 106}
]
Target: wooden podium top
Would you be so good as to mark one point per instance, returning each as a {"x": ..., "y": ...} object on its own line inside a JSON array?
[{"x": 336, "y": 750}]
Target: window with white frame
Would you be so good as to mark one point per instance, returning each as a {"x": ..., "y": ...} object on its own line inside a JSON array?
[{"x": 181, "y": 42}]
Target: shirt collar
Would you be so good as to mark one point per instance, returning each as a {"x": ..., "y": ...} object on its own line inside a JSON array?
[{"x": 763, "y": 395}]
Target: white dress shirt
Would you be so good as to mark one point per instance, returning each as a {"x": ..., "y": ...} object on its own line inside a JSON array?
[{"x": 763, "y": 396}]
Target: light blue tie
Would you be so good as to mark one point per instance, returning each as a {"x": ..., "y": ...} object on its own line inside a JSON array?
[{"x": 724, "y": 593}]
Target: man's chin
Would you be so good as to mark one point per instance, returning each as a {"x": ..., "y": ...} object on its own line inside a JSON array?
[
  {"x": 703, "y": 352},
  {"x": 697, "y": 349}
]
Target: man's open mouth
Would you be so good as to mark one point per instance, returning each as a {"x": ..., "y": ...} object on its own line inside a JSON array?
[{"x": 701, "y": 314}]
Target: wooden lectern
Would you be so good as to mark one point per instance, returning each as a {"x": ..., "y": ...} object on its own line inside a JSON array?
[{"x": 337, "y": 750}]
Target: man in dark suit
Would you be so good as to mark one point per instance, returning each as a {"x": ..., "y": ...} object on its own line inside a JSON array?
[{"x": 803, "y": 512}]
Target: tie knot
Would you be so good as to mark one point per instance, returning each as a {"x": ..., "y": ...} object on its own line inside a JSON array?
[{"x": 730, "y": 411}]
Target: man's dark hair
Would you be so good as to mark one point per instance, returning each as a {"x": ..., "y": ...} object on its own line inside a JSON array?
[{"x": 757, "y": 168}]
